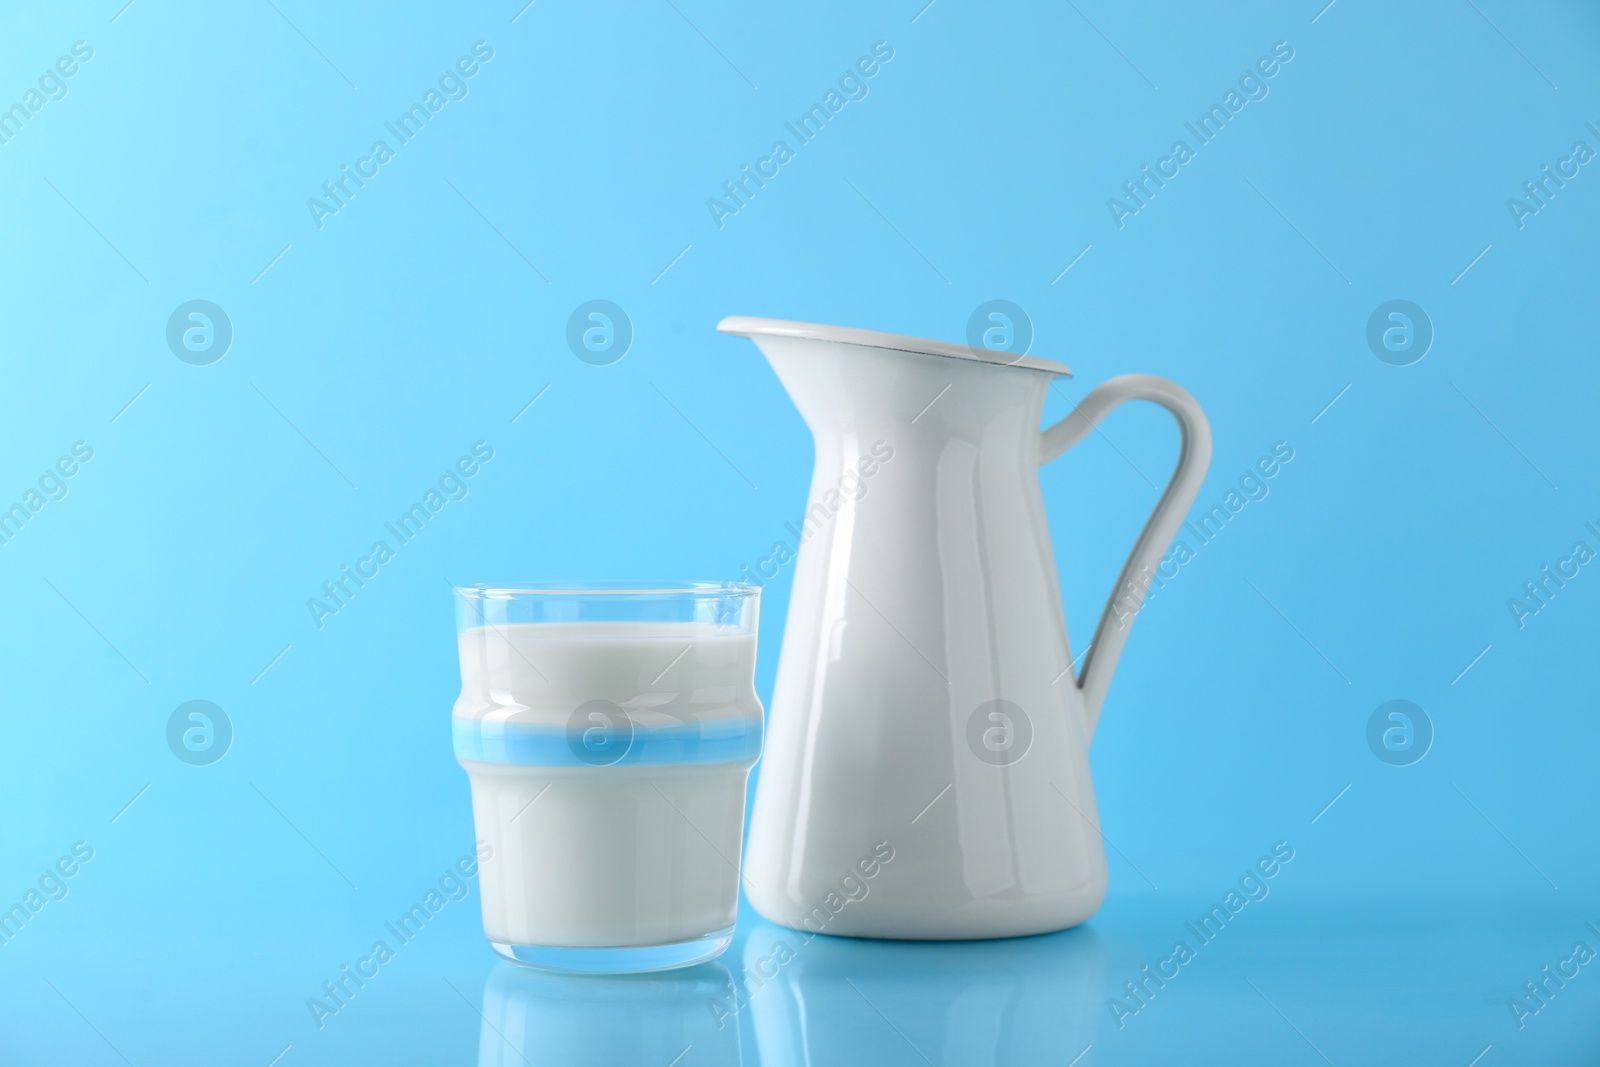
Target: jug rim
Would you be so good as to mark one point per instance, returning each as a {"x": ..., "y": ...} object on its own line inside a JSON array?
[{"x": 748, "y": 326}]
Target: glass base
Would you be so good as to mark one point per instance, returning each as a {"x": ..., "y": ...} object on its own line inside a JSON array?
[{"x": 626, "y": 960}]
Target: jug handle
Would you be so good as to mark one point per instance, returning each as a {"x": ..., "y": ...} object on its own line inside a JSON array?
[{"x": 1194, "y": 456}]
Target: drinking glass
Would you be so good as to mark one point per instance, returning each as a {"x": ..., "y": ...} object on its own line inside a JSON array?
[{"x": 608, "y": 731}]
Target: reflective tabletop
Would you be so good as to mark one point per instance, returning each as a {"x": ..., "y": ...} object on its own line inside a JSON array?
[{"x": 1283, "y": 981}]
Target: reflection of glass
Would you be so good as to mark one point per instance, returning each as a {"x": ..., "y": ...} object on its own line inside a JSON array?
[
  {"x": 608, "y": 733},
  {"x": 817, "y": 1000},
  {"x": 533, "y": 1017}
]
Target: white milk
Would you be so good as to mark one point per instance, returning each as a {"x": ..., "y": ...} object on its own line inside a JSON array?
[{"x": 617, "y": 830}]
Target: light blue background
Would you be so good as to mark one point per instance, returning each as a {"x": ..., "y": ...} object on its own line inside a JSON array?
[{"x": 426, "y": 316}]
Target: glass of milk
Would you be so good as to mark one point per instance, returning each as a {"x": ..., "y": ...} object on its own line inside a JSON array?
[{"x": 608, "y": 731}]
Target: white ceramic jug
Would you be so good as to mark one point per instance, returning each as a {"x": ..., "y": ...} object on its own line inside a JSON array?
[{"x": 925, "y": 708}]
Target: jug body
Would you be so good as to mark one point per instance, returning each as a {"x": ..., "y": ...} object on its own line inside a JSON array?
[
  {"x": 926, "y": 773},
  {"x": 925, "y": 709}
]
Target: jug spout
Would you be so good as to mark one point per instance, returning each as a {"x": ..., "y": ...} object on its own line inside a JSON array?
[
  {"x": 845, "y": 380},
  {"x": 756, "y": 329}
]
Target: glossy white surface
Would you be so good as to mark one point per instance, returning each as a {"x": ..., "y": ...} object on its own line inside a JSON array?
[{"x": 916, "y": 605}]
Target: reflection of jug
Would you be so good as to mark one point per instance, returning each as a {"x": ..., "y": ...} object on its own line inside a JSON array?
[
  {"x": 828, "y": 1001},
  {"x": 925, "y": 702},
  {"x": 533, "y": 1017}
]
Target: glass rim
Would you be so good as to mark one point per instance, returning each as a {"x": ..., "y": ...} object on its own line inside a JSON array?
[{"x": 656, "y": 589}]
